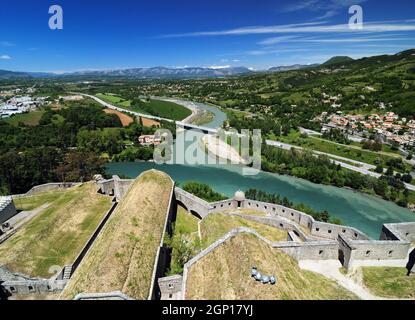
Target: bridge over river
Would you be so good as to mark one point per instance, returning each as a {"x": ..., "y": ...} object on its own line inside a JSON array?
[{"x": 181, "y": 124}]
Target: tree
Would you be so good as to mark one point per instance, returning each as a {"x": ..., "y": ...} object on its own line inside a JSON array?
[
  {"x": 379, "y": 169},
  {"x": 80, "y": 166},
  {"x": 407, "y": 178},
  {"x": 389, "y": 171}
]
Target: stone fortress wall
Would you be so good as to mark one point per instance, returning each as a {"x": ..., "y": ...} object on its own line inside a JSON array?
[
  {"x": 45, "y": 188},
  {"x": 20, "y": 284},
  {"x": 307, "y": 239},
  {"x": 322, "y": 241},
  {"x": 7, "y": 210},
  {"x": 316, "y": 236}
]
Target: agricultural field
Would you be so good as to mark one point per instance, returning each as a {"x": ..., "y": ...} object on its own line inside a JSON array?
[
  {"x": 149, "y": 123},
  {"x": 123, "y": 256},
  {"x": 30, "y": 119},
  {"x": 159, "y": 108},
  {"x": 58, "y": 233},
  {"x": 165, "y": 109},
  {"x": 115, "y": 100},
  {"x": 225, "y": 274},
  {"x": 389, "y": 282},
  {"x": 125, "y": 120}
]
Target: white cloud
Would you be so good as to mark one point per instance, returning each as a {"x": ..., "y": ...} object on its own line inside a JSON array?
[
  {"x": 276, "y": 40},
  {"x": 273, "y": 51},
  {"x": 219, "y": 67},
  {"x": 372, "y": 38},
  {"x": 314, "y": 27},
  {"x": 329, "y": 7},
  {"x": 242, "y": 31},
  {"x": 5, "y": 57}
]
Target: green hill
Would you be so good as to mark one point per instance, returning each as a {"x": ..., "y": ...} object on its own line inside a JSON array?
[{"x": 337, "y": 60}]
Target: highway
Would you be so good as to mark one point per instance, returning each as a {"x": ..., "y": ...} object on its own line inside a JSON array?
[
  {"x": 361, "y": 167},
  {"x": 181, "y": 124}
]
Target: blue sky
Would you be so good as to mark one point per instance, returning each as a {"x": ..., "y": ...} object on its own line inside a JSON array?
[{"x": 176, "y": 33}]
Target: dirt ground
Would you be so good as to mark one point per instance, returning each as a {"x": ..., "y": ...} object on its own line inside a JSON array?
[
  {"x": 149, "y": 123},
  {"x": 125, "y": 120}
]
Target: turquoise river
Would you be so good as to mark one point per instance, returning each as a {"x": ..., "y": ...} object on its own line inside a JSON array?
[{"x": 364, "y": 212}]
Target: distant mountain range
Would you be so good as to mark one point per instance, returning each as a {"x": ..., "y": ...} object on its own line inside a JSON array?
[
  {"x": 142, "y": 73},
  {"x": 163, "y": 72},
  {"x": 152, "y": 73},
  {"x": 198, "y": 72},
  {"x": 293, "y": 67}
]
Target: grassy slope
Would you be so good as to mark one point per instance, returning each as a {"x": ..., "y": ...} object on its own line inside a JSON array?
[
  {"x": 389, "y": 282},
  {"x": 186, "y": 223},
  {"x": 217, "y": 225},
  {"x": 226, "y": 274},
  {"x": 56, "y": 236},
  {"x": 185, "y": 229},
  {"x": 123, "y": 256},
  {"x": 30, "y": 119}
]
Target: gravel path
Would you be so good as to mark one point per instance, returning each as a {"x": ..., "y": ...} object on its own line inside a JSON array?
[{"x": 331, "y": 270}]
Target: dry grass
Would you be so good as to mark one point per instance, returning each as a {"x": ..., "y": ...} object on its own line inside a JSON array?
[
  {"x": 225, "y": 274},
  {"x": 56, "y": 236},
  {"x": 149, "y": 123},
  {"x": 123, "y": 256},
  {"x": 125, "y": 120},
  {"x": 250, "y": 212},
  {"x": 389, "y": 282},
  {"x": 216, "y": 225}
]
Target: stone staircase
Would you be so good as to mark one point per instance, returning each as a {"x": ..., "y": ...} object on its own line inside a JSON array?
[{"x": 67, "y": 272}]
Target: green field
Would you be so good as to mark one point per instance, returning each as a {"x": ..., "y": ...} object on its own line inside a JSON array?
[
  {"x": 158, "y": 108},
  {"x": 57, "y": 234},
  {"x": 115, "y": 100},
  {"x": 30, "y": 119},
  {"x": 389, "y": 282},
  {"x": 166, "y": 109}
]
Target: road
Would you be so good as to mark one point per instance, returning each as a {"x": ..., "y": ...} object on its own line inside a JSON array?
[
  {"x": 111, "y": 106},
  {"x": 182, "y": 124},
  {"x": 362, "y": 168}
]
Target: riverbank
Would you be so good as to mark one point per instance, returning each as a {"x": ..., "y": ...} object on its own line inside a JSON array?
[{"x": 220, "y": 149}]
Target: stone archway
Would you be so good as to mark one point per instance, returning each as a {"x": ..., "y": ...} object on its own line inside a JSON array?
[{"x": 194, "y": 213}]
